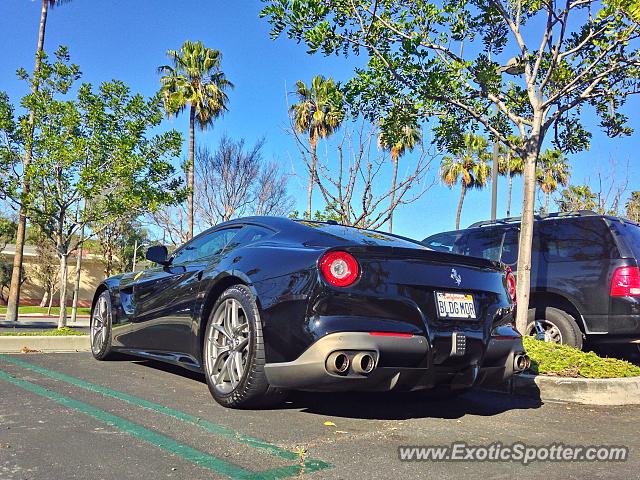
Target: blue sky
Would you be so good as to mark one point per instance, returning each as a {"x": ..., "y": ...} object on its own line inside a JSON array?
[{"x": 127, "y": 40}]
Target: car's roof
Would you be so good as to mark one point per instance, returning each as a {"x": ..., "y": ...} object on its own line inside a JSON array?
[{"x": 331, "y": 229}]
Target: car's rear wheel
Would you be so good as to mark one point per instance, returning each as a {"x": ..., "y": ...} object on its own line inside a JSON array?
[
  {"x": 233, "y": 352},
  {"x": 100, "y": 327},
  {"x": 553, "y": 325}
]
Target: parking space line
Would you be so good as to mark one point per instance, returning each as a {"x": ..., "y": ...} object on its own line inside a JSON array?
[
  {"x": 138, "y": 431},
  {"x": 308, "y": 466}
]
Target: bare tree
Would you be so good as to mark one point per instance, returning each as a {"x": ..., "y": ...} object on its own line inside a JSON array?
[
  {"x": 233, "y": 181},
  {"x": 352, "y": 184},
  {"x": 271, "y": 197}
]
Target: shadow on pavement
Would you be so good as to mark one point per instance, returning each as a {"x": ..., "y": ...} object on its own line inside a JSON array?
[{"x": 384, "y": 406}]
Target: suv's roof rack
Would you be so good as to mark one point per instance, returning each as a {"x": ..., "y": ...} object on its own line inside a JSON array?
[{"x": 577, "y": 213}]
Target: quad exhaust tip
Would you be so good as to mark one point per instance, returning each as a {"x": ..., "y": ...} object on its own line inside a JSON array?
[
  {"x": 363, "y": 363},
  {"x": 521, "y": 362},
  {"x": 360, "y": 363},
  {"x": 338, "y": 363}
]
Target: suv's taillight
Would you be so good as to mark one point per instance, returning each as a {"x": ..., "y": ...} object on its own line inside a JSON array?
[
  {"x": 625, "y": 282},
  {"x": 340, "y": 269},
  {"x": 511, "y": 284}
]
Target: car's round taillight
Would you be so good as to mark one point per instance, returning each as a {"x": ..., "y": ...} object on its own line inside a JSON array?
[
  {"x": 511, "y": 284},
  {"x": 340, "y": 269}
]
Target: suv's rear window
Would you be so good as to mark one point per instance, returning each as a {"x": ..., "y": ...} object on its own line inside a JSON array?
[{"x": 631, "y": 234}]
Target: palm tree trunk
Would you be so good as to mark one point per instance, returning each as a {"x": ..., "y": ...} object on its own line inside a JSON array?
[
  {"x": 546, "y": 203},
  {"x": 509, "y": 195},
  {"x": 190, "y": 182},
  {"x": 394, "y": 158},
  {"x": 16, "y": 274},
  {"x": 313, "y": 144},
  {"x": 462, "y": 193}
]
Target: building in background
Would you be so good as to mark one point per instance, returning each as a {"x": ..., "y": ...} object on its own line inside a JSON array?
[{"x": 33, "y": 291}]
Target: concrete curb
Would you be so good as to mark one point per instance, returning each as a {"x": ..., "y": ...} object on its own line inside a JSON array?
[
  {"x": 48, "y": 344},
  {"x": 586, "y": 391}
]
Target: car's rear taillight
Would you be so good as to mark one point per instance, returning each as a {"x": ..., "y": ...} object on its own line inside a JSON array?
[
  {"x": 511, "y": 284},
  {"x": 340, "y": 269},
  {"x": 625, "y": 282}
]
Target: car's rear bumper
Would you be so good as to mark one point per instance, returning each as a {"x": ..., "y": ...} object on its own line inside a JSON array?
[{"x": 412, "y": 367}]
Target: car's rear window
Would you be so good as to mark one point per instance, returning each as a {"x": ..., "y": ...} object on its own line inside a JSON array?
[{"x": 364, "y": 237}]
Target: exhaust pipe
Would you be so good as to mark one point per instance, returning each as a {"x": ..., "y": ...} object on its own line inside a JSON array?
[
  {"x": 338, "y": 363},
  {"x": 521, "y": 362},
  {"x": 363, "y": 363}
]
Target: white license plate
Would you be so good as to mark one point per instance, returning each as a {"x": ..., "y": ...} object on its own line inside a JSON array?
[{"x": 455, "y": 305}]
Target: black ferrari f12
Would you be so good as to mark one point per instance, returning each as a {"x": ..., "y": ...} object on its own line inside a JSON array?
[{"x": 261, "y": 305}]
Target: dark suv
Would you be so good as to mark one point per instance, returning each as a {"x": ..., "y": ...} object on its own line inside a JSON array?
[{"x": 585, "y": 275}]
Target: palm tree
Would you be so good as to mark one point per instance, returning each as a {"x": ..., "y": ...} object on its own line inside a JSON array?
[
  {"x": 577, "y": 197},
  {"x": 405, "y": 141},
  {"x": 552, "y": 171},
  {"x": 633, "y": 207},
  {"x": 469, "y": 164},
  {"x": 510, "y": 165},
  {"x": 194, "y": 79},
  {"x": 319, "y": 112},
  {"x": 16, "y": 274}
]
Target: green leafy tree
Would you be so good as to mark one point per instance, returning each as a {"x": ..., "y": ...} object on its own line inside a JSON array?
[
  {"x": 195, "y": 80},
  {"x": 447, "y": 61},
  {"x": 510, "y": 165},
  {"x": 553, "y": 171},
  {"x": 633, "y": 207},
  {"x": 469, "y": 165},
  {"x": 95, "y": 146},
  {"x": 16, "y": 281},
  {"x": 577, "y": 197},
  {"x": 398, "y": 137},
  {"x": 318, "y": 113}
]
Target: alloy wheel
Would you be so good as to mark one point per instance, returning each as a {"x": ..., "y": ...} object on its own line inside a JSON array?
[
  {"x": 227, "y": 346},
  {"x": 545, "y": 331},
  {"x": 99, "y": 323}
]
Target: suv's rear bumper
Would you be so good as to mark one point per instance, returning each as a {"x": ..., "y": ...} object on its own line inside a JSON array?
[
  {"x": 623, "y": 325},
  {"x": 416, "y": 371}
]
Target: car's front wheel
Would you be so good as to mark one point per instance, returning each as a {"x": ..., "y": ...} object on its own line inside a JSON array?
[{"x": 233, "y": 352}]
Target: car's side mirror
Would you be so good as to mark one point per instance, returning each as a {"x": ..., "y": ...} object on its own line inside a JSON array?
[{"x": 157, "y": 254}]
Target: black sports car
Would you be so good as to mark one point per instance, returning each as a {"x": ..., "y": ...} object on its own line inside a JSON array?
[{"x": 264, "y": 304}]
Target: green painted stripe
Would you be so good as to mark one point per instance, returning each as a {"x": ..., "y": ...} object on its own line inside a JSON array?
[
  {"x": 138, "y": 431},
  {"x": 310, "y": 465},
  {"x": 214, "y": 428}
]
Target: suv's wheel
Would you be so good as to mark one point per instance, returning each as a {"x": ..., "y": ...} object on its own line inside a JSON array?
[
  {"x": 554, "y": 325},
  {"x": 100, "y": 327},
  {"x": 233, "y": 352}
]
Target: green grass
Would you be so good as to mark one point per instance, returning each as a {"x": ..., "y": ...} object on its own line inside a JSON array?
[
  {"x": 565, "y": 361},
  {"x": 43, "y": 310},
  {"x": 47, "y": 333}
]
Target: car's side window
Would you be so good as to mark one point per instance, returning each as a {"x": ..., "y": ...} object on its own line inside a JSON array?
[
  {"x": 249, "y": 234},
  {"x": 483, "y": 243},
  {"x": 509, "y": 254},
  {"x": 205, "y": 246}
]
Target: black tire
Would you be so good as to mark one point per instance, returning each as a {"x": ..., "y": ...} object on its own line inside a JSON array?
[
  {"x": 562, "y": 324},
  {"x": 252, "y": 388},
  {"x": 100, "y": 324}
]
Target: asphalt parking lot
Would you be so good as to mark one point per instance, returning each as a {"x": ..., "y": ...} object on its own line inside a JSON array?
[{"x": 65, "y": 416}]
